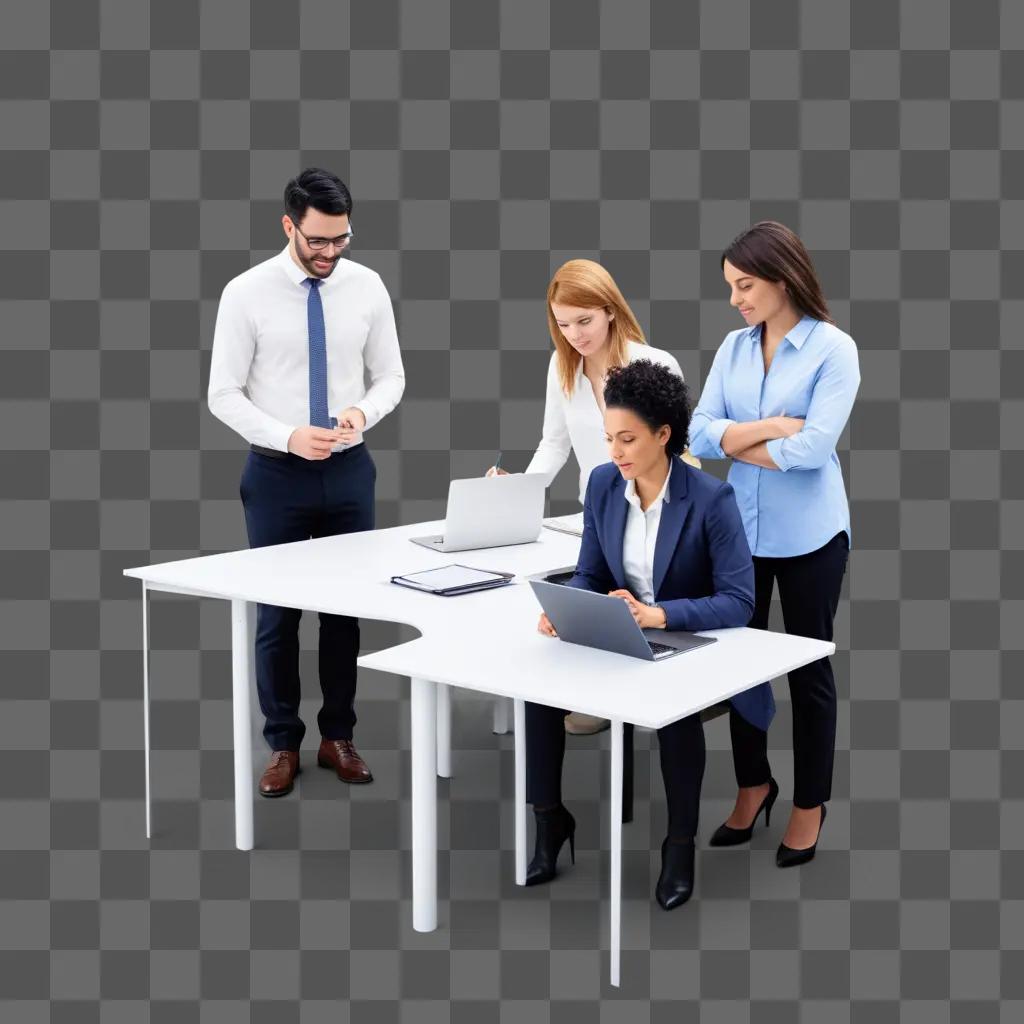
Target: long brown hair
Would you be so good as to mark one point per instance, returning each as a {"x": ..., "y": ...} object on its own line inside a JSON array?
[
  {"x": 588, "y": 285},
  {"x": 771, "y": 251}
]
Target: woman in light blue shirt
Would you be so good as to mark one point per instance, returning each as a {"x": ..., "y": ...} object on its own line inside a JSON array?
[{"x": 776, "y": 400}]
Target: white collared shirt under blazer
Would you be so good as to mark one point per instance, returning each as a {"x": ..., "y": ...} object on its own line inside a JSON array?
[
  {"x": 259, "y": 371},
  {"x": 639, "y": 540},
  {"x": 574, "y": 422}
]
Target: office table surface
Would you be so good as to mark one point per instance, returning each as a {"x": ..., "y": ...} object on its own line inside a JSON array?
[
  {"x": 349, "y": 574},
  {"x": 485, "y": 641},
  {"x": 494, "y": 647}
]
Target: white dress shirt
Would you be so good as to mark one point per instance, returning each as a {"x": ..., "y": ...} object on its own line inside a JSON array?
[
  {"x": 574, "y": 422},
  {"x": 639, "y": 540},
  {"x": 259, "y": 372}
]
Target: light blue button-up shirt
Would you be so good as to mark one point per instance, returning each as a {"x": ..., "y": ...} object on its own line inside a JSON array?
[{"x": 814, "y": 375}]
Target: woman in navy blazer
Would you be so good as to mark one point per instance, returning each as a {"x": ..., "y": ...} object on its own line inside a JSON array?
[{"x": 668, "y": 539}]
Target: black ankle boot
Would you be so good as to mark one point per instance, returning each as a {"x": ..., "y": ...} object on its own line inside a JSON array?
[
  {"x": 726, "y": 836},
  {"x": 675, "y": 883},
  {"x": 554, "y": 826}
]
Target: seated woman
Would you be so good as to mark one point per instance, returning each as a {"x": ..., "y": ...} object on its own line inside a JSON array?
[{"x": 668, "y": 539}]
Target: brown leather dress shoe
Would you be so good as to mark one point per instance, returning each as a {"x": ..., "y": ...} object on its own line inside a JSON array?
[
  {"x": 343, "y": 758},
  {"x": 279, "y": 777}
]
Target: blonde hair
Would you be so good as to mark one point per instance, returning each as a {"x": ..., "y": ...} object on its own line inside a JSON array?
[{"x": 588, "y": 285}]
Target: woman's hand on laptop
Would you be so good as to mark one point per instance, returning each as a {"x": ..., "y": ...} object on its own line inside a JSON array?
[
  {"x": 647, "y": 616},
  {"x": 496, "y": 471},
  {"x": 545, "y": 627}
]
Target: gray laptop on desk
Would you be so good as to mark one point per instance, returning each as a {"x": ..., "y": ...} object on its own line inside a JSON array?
[
  {"x": 491, "y": 512},
  {"x": 597, "y": 620}
]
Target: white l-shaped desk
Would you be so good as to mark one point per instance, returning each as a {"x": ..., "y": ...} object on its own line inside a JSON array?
[{"x": 349, "y": 575}]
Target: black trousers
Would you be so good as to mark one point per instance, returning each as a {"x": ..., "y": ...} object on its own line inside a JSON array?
[
  {"x": 809, "y": 587},
  {"x": 291, "y": 499},
  {"x": 682, "y": 764}
]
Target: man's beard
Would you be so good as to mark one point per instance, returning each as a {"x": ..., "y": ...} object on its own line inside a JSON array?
[{"x": 313, "y": 269}]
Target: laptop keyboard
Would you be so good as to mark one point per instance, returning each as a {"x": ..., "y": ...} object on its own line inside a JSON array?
[{"x": 657, "y": 648}]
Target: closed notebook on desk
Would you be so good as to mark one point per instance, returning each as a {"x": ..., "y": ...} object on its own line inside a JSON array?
[
  {"x": 452, "y": 580},
  {"x": 572, "y": 525}
]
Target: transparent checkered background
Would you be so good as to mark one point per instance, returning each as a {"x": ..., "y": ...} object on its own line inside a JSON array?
[{"x": 144, "y": 150}]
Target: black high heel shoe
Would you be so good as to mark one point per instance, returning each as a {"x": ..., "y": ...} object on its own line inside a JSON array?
[
  {"x": 787, "y": 857},
  {"x": 554, "y": 826},
  {"x": 675, "y": 883},
  {"x": 726, "y": 836}
]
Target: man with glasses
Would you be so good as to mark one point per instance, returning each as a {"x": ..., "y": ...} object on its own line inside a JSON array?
[{"x": 296, "y": 337}]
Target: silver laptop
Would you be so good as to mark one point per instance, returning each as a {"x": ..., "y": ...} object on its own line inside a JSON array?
[
  {"x": 491, "y": 512},
  {"x": 597, "y": 620}
]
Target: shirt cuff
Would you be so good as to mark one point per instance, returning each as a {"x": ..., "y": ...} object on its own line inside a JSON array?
[
  {"x": 776, "y": 455},
  {"x": 369, "y": 411},
  {"x": 714, "y": 431},
  {"x": 281, "y": 435}
]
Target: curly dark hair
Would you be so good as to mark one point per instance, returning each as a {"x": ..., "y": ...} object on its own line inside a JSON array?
[{"x": 655, "y": 394}]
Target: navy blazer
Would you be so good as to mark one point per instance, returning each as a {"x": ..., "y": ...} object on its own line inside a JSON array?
[{"x": 703, "y": 572}]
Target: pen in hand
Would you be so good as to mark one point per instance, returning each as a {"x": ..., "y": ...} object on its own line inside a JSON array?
[{"x": 496, "y": 469}]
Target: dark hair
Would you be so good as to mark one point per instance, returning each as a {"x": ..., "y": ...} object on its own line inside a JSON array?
[
  {"x": 771, "y": 251},
  {"x": 320, "y": 189},
  {"x": 656, "y": 394}
]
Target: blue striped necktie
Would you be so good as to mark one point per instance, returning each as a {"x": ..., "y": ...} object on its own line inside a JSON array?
[{"x": 318, "y": 414}]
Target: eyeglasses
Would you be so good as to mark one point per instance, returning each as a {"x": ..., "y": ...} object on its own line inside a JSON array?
[{"x": 319, "y": 244}]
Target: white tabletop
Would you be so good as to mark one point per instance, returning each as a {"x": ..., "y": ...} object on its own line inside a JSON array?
[
  {"x": 486, "y": 641},
  {"x": 350, "y": 574},
  {"x": 492, "y": 645}
]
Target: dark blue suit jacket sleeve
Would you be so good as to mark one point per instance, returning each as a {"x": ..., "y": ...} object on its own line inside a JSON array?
[
  {"x": 732, "y": 573},
  {"x": 592, "y": 572}
]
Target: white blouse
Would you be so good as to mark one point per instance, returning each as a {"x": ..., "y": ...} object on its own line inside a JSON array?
[
  {"x": 574, "y": 422},
  {"x": 639, "y": 540}
]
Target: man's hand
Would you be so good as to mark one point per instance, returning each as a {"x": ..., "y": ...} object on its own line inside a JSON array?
[
  {"x": 647, "y": 616},
  {"x": 545, "y": 627},
  {"x": 351, "y": 422},
  {"x": 496, "y": 471},
  {"x": 312, "y": 442}
]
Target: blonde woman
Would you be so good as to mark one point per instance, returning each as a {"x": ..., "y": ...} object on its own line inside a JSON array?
[{"x": 593, "y": 329}]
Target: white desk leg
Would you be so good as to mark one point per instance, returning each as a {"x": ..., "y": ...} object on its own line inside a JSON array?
[
  {"x": 145, "y": 705},
  {"x": 520, "y": 747},
  {"x": 423, "y": 708},
  {"x": 615, "y": 905},
  {"x": 500, "y": 726},
  {"x": 241, "y": 675},
  {"x": 444, "y": 731}
]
